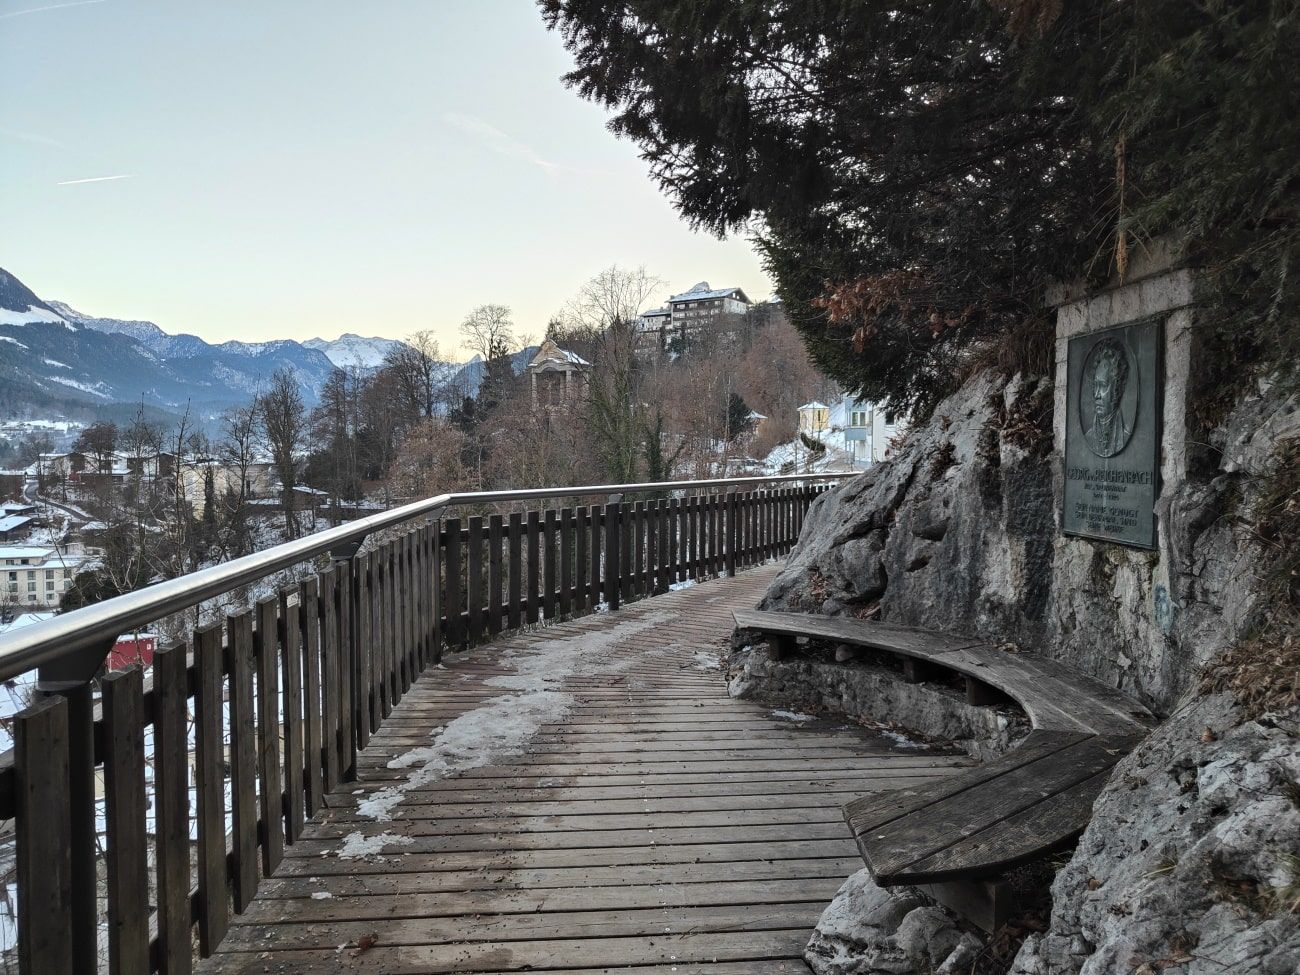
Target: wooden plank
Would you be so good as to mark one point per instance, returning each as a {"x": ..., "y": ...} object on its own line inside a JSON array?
[
  {"x": 516, "y": 570},
  {"x": 626, "y": 552},
  {"x": 892, "y": 849},
  {"x": 1025, "y": 835},
  {"x": 315, "y": 745},
  {"x": 474, "y": 576},
  {"x": 210, "y": 790},
  {"x": 243, "y": 759},
  {"x": 172, "y": 809},
  {"x": 291, "y": 667},
  {"x": 639, "y": 529},
  {"x": 593, "y": 595},
  {"x": 452, "y": 585},
  {"x": 362, "y": 609},
  {"x": 673, "y": 518},
  {"x": 268, "y": 733},
  {"x": 663, "y": 537},
  {"x": 495, "y": 532},
  {"x": 533, "y": 580},
  {"x": 566, "y": 562},
  {"x": 613, "y": 560},
  {"x": 580, "y": 561},
  {"x": 549, "y": 601},
  {"x": 867, "y": 815},
  {"x": 43, "y": 838},
  {"x": 437, "y": 591},
  {"x": 333, "y": 701},
  {"x": 126, "y": 851}
]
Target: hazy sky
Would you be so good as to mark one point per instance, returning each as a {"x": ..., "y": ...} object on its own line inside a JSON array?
[{"x": 293, "y": 168}]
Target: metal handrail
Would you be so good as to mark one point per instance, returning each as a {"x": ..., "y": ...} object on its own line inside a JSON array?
[{"x": 95, "y": 625}]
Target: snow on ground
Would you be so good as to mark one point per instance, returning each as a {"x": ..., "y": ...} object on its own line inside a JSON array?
[
  {"x": 707, "y": 660},
  {"x": 502, "y": 726},
  {"x": 95, "y": 390},
  {"x": 793, "y": 716},
  {"x": 685, "y": 584},
  {"x": 6, "y": 338},
  {"x": 355, "y": 846}
]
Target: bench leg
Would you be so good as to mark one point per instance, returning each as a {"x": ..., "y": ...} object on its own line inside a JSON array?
[
  {"x": 780, "y": 647},
  {"x": 986, "y": 903},
  {"x": 980, "y": 694},
  {"x": 915, "y": 671}
]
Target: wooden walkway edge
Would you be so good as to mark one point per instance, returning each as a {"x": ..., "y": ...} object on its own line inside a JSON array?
[{"x": 583, "y": 797}]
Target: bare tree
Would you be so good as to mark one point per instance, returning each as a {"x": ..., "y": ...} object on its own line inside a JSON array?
[
  {"x": 488, "y": 332},
  {"x": 284, "y": 429},
  {"x": 237, "y": 450},
  {"x": 614, "y": 295},
  {"x": 416, "y": 369}
]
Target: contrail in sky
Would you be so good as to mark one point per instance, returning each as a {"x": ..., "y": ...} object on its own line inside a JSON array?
[
  {"x": 53, "y": 6},
  {"x": 93, "y": 179}
]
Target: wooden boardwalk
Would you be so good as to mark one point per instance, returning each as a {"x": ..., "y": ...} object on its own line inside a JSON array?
[{"x": 583, "y": 797}]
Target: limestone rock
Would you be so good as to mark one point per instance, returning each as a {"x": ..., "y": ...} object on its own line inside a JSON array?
[
  {"x": 960, "y": 533},
  {"x": 868, "y": 930},
  {"x": 1191, "y": 863}
]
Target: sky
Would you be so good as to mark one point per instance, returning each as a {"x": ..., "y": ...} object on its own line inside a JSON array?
[{"x": 301, "y": 168}]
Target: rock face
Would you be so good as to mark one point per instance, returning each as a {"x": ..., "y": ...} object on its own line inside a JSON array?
[
  {"x": 960, "y": 533},
  {"x": 868, "y": 930},
  {"x": 861, "y": 688},
  {"x": 959, "y": 494},
  {"x": 1191, "y": 863}
]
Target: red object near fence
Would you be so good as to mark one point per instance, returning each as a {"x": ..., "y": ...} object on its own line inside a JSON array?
[{"x": 130, "y": 650}]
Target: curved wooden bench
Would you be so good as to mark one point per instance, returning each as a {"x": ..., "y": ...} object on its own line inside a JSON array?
[{"x": 978, "y": 824}]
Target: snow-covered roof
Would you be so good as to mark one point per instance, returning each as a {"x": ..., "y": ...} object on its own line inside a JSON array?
[
  {"x": 11, "y": 522},
  {"x": 550, "y": 352},
  {"x": 815, "y": 405},
  {"x": 755, "y": 415},
  {"x": 24, "y": 552},
  {"x": 656, "y": 311},
  {"x": 702, "y": 292}
]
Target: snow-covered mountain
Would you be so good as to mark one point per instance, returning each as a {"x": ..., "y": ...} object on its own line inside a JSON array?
[
  {"x": 50, "y": 353},
  {"x": 350, "y": 350}
]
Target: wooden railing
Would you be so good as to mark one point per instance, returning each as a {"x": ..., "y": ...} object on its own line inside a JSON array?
[{"x": 248, "y": 725}]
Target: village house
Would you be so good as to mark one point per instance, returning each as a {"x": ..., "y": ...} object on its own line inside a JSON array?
[
  {"x": 687, "y": 315},
  {"x": 36, "y": 576}
]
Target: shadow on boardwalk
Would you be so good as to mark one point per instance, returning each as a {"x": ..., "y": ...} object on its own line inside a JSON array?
[{"x": 582, "y": 797}]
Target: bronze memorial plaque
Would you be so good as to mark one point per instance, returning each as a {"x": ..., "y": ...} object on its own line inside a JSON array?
[{"x": 1112, "y": 433}]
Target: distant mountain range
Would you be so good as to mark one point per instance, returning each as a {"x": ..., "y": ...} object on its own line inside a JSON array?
[{"x": 54, "y": 358}]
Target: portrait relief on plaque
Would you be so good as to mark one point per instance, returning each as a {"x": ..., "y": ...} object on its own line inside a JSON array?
[
  {"x": 1111, "y": 382},
  {"x": 1112, "y": 433}
]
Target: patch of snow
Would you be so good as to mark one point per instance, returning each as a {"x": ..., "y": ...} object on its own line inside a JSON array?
[
  {"x": 900, "y": 739},
  {"x": 357, "y": 845},
  {"x": 687, "y": 584},
  {"x": 704, "y": 660},
  {"x": 321, "y": 895},
  {"x": 793, "y": 716},
  {"x": 56, "y": 363},
  {"x": 502, "y": 726},
  {"x": 95, "y": 390},
  {"x": 6, "y": 338},
  {"x": 32, "y": 316}
]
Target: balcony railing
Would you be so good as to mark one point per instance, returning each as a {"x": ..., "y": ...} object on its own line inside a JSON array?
[{"x": 249, "y": 724}]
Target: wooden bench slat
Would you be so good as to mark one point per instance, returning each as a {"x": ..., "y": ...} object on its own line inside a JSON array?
[
  {"x": 879, "y": 636},
  {"x": 890, "y": 850},
  {"x": 1024, "y": 804},
  {"x": 1018, "y": 838},
  {"x": 877, "y": 809}
]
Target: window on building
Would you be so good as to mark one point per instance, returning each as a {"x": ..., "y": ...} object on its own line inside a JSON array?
[
  {"x": 31, "y": 587},
  {"x": 49, "y": 573},
  {"x": 890, "y": 417},
  {"x": 31, "y": 573},
  {"x": 49, "y": 583}
]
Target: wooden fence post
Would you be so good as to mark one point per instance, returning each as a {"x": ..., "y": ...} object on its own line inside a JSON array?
[{"x": 44, "y": 839}]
